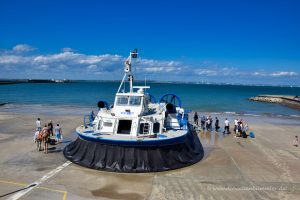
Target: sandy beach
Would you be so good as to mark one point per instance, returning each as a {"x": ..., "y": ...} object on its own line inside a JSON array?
[{"x": 264, "y": 167}]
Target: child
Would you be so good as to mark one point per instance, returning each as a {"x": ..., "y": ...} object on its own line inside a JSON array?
[
  {"x": 38, "y": 139},
  {"x": 36, "y": 134}
]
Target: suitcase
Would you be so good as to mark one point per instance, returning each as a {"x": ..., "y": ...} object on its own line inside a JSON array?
[{"x": 52, "y": 142}]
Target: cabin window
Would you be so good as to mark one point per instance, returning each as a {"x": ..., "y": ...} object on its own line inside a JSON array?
[
  {"x": 122, "y": 100},
  {"x": 135, "y": 101},
  {"x": 124, "y": 126},
  {"x": 156, "y": 127},
  {"x": 108, "y": 124}
]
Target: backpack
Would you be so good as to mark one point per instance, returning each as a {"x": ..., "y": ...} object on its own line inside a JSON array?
[
  {"x": 52, "y": 142},
  {"x": 45, "y": 133},
  {"x": 40, "y": 136}
]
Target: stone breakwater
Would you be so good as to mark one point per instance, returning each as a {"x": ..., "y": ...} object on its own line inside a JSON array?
[{"x": 290, "y": 101}]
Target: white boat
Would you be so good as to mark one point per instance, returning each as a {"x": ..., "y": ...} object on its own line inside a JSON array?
[{"x": 136, "y": 133}]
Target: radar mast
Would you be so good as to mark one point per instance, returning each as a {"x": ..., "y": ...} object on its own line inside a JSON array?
[{"x": 127, "y": 70}]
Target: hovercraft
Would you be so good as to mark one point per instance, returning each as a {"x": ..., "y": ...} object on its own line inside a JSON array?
[{"x": 136, "y": 134}]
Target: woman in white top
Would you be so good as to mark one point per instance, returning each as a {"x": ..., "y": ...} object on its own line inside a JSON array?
[{"x": 58, "y": 133}]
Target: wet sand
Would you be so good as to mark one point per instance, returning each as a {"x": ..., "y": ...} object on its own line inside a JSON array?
[{"x": 265, "y": 167}]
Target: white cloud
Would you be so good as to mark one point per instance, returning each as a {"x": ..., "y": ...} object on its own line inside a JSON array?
[
  {"x": 66, "y": 62},
  {"x": 206, "y": 72},
  {"x": 83, "y": 66},
  {"x": 158, "y": 66},
  {"x": 62, "y": 66},
  {"x": 57, "y": 58},
  {"x": 274, "y": 74},
  {"x": 67, "y": 49},
  {"x": 278, "y": 74},
  {"x": 92, "y": 67},
  {"x": 12, "y": 59},
  {"x": 42, "y": 67},
  {"x": 258, "y": 74},
  {"x": 91, "y": 59},
  {"x": 153, "y": 69},
  {"x": 217, "y": 71},
  {"x": 22, "y": 48}
]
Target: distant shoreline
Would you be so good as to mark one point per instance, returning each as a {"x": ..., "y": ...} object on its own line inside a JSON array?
[
  {"x": 4, "y": 82},
  {"x": 17, "y": 81},
  {"x": 10, "y": 82}
]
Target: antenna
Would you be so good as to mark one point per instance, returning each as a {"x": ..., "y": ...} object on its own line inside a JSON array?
[{"x": 127, "y": 69}]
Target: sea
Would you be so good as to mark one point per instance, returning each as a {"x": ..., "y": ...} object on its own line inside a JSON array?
[{"x": 83, "y": 96}]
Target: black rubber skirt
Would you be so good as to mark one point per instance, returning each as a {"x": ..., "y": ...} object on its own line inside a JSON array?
[{"x": 133, "y": 159}]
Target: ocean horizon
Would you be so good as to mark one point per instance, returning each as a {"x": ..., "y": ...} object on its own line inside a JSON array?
[
  {"x": 212, "y": 98},
  {"x": 25, "y": 80}
]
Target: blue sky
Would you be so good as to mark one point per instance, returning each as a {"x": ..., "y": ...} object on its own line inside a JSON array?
[{"x": 245, "y": 41}]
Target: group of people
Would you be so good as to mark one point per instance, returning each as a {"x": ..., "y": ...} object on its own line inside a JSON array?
[
  {"x": 240, "y": 127},
  {"x": 43, "y": 135},
  {"x": 206, "y": 122}
]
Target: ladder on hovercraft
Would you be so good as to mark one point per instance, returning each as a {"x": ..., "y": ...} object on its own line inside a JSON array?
[{"x": 146, "y": 129}]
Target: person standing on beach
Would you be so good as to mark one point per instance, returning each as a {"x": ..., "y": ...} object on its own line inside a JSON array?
[
  {"x": 217, "y": 124},
  {"x": 36, "y": 135},
  {"x": 239, "y": 128},
  {"x": 196, "y": 118},
  {"x": 226, "y": 128},
  {"x": 50, "y": 127},
  {"x": 38, "y": 124},
  {"x": 295, "y": 143},
  {"x": 38, "y": 139},
  {"x": 236, "y": 122},
  {"x": 245, "y": 129},
  {"x": 203, "y": 119},
  {"x": 207, "y": 124},
  {"x": 210, "y": 122},
  {"x": 46, "y": 138},
  {"x": 58, "y": 133}
]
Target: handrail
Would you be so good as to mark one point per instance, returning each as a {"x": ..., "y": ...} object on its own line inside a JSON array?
[{"x": 162, "y": 109}]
